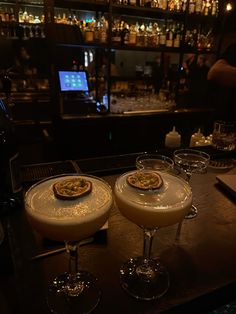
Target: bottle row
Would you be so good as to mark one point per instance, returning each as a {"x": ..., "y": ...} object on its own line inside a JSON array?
[
  {"x": 150, "y": 35},
  {"x": 8, "y": 15},
  {"x": 153, "y": 34},
  {"x": 204, "y": 7}
]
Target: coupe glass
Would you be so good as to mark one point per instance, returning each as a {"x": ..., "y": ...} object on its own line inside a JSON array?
[
  {"x": 145, "y": 277},
  {"x": 70, "y": 221},
  {"x": 154, "y": 161},
  {"x": 191, "y": 161}
]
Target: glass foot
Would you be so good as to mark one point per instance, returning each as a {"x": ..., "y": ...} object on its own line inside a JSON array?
[
  {"x": 144, "y": 279},
  {"x": 192, "y": 213},
  {"x": 83, "y": 297}
]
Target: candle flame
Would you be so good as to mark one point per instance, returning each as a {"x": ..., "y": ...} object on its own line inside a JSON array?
[{"x": 228, "y": 6}]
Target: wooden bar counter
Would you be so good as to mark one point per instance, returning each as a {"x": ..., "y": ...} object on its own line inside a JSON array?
[{"x": 201, "y": 265}]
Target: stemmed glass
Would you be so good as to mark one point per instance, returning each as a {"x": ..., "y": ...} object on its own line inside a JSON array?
[
  {"x": 190, "y": 161},
  {"x": 154, "y": 161},
  {"x": 145, "y": 277},
  {"x": 70, "y": 221}
]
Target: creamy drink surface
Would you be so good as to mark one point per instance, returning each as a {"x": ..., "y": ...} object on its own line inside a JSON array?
[
  {"x": 68, "y": 219},
  {"x": 154, "y": 208}
]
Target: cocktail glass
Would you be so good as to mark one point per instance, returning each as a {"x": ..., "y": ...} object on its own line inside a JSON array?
[
  {"x": 70, "y": 221},
  {"x": 190, "y": 161},
  {"x": 154, "y": 161},
  {"x": 145, "y": 277}
]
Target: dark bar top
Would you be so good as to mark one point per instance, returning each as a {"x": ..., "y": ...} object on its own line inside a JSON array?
[
  {"x": 127, "y": 114},
  {"x": 201, "y": 266}
]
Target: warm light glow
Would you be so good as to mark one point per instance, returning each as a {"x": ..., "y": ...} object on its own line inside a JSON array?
[{"x": 228, "y": 6}]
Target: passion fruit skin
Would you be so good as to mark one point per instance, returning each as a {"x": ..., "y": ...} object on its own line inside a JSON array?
[
  {"x": 72, "y": 193},
  {"x": 145, "y": 180}
]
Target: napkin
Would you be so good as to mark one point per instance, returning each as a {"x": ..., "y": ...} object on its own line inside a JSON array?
[{"x": 228, "y": 181}]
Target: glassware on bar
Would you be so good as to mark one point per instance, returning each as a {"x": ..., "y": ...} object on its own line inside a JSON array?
[
  {"x": 70, "y": 221},
  {"x": 145, "y": 277},
  {"x": 154, "y": 161},
  {"x": 190, "y": 161}
]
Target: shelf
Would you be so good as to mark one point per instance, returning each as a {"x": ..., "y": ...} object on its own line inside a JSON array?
[
  {"x": 87, "y": 5},
  {"x": 84, "y": 45},
  {"x": 156, "y": 49},
  {"x": 146, "y": 12}
]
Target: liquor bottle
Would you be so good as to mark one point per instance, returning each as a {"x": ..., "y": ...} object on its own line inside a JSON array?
[
  {"x": 116, "y": 33},
  {"x": 156, "y": 35},
  {"x": 154, "y": 4},
  {"x": 138, "y": 35},
  {"x": 2, "y": 15},
  {"x": 125, "y": 34},
  {"x": 162, "y": 37},
  {"x": 198, "y": 7},
  {"x": 147, "y": 3},
  {"x": 169, "y": 36},
  {"x": 89, "y": 33},
  {"x": 171, "y": 5},
  {"x": 132, "y": 35},
  {"x": 184, "y": 5},
  {"x": 7, "y": 16},
  {"x": 214, "y": 7},
  {"x": 163, "y": 5},
  {"x": 141, "y": 3},
  {"x": 103, "y": 30},
  {"x": 192, "y": 6},
  {"x": 207, "y": 8},
  {"x": 11, "y": 189},
  {"x": 177, "y": 36}
]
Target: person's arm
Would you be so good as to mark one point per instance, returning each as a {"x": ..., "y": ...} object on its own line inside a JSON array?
[{"x": 222, "y": 73}]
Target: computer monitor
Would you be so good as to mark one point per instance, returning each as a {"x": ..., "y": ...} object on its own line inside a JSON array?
[{"x": 73, "y": 81}]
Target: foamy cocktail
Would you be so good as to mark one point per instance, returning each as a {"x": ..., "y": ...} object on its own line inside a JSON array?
[
  {"x": 68, "y": 219},
  {"x": 154, "y": 208}
]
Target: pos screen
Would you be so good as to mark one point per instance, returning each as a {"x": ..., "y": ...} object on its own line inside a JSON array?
[{"x": 73, "y": 81}]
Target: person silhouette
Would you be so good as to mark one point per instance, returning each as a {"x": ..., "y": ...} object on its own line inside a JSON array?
[{"x": 222, "y": 84}]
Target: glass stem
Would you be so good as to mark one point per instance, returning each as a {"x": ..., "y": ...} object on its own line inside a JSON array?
[
  {"x": 188, "y": 176},
  {"x": 71, "y": 248},
  {"x": 73, "y": 287},
  {"x": 147, "y": 245}
]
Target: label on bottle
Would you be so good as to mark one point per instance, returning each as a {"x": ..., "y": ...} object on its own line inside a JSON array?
[
  {"x": 191, "y": 7},
  {"x": 103, "y": 36},
  {"x": 169, "y": 43},
  {"x": 176, "y": 43},
  {"x": 89, "y": 36},
  {"x": 162, "y": 39},
  {"x": 132, "y": 38}
]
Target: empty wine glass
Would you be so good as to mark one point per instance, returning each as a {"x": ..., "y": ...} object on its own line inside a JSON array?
[
  {"x": 71, "y": 221},
  {"x": 145, "y": 277},
  {"x": 190, "y": 161},
  {"x": 154, "y": 161}
]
